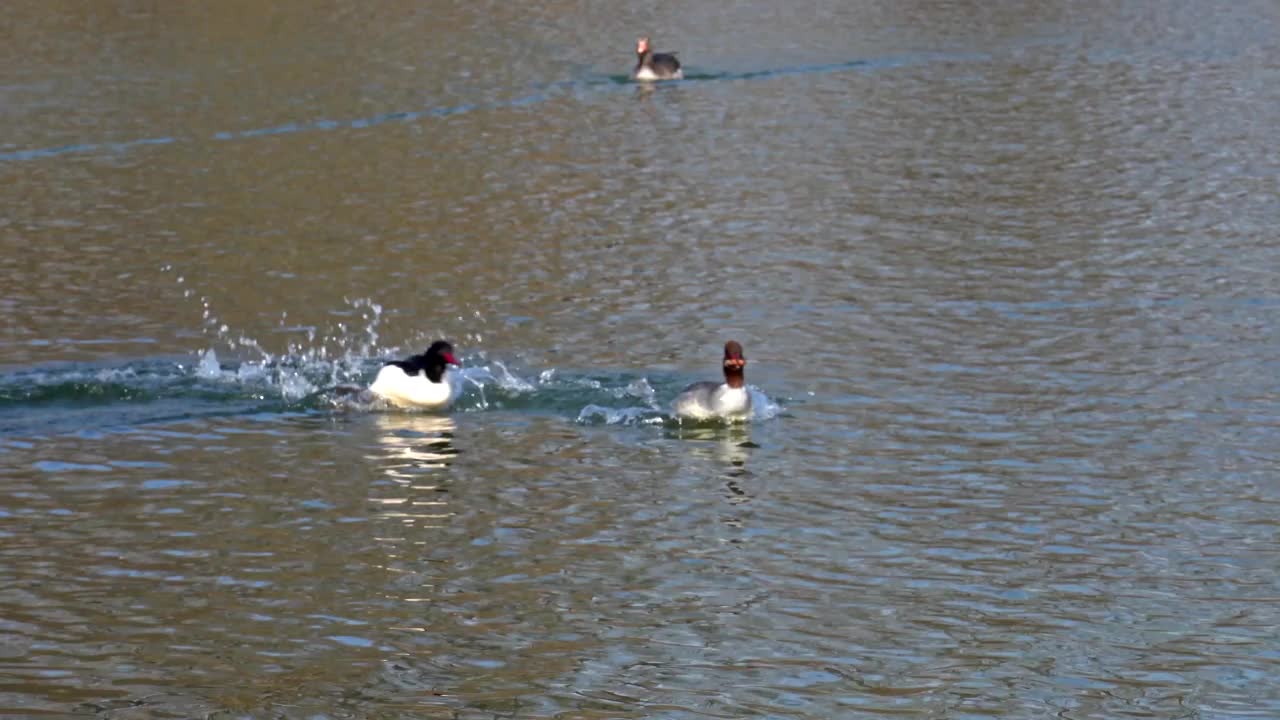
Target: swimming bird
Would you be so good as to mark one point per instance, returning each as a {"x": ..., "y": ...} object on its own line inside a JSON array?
[
  {"x": 655, "y": 66},
  {"x": 420, "y": 381},
  {"x": 728, "y": 400}
]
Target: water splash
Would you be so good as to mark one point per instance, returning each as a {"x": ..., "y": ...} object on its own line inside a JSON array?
[
  {"x": 640, "y": 389},
  {"x": 63, "y": 399},
  {"x": 762, "y": 406},
  {"x": 208, "y": 368},
  {"x": 654, "y": 413},
  {"x": 326, "y": 371},
  {"x": 598, "y": 414}
]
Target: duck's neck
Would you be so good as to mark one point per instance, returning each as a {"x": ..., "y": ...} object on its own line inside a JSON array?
[
  {"x": 733, "y": 377},
  {"x": 644, "y": 59}
]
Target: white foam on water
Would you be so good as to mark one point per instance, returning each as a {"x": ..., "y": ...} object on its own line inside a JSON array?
[
  {"x": 207, "y": 367},
  {"x": 762, "y": 407},
  {"x": 511, "y": 382},
  {"x": 641, "y": 389},
  {"x": 593, "y": 414}
]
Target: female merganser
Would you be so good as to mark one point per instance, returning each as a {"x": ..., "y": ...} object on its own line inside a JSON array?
[
  {"x": 655, "y": 66},
  {"x": 421, "y": 381},
  {"x": 729, "y": 399}
]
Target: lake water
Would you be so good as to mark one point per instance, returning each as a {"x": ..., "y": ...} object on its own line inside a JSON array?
[{"x": 1005, "y": 272}]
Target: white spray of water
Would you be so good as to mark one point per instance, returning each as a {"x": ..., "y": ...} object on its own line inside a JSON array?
[{"x": 337, "y": 362}]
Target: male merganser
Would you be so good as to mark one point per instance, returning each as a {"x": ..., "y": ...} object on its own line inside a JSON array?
[
  {"x": 728, "y": 400},
  {"x": 655, "y": 66},
  {"x": 420, "y": 381}
]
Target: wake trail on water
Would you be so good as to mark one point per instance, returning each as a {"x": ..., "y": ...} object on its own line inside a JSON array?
[{"x": 589, "y": 84}]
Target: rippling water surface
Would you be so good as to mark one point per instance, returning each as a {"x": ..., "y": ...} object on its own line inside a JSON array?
[{"x": 1005, "y": 273}]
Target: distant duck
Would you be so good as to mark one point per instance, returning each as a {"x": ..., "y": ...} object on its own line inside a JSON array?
[
  {"x": 420, "y": 381},
  {"x": 728, "y": 400},
  {"x": 655, "y": 66}
]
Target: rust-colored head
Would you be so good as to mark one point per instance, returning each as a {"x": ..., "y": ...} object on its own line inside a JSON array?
[
  {"x": 734, "y": 363},
  {"x": 642, "y": 45},
  {"x": 733, "y": 355}
]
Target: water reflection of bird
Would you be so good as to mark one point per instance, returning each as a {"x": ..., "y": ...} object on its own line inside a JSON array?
[
  {"x": 414, "y": 446},
  {"x": 414, "y": 452},
  {"x": 728, "y": 446}
]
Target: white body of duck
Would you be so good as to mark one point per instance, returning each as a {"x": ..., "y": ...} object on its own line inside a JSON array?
[
  {"x": 421, "y": 381},
  {"x": 728, "y": 400},
  {"x": 707, "y": 400}
]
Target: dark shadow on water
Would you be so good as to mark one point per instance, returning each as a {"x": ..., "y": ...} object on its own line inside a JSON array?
[{"x": 696, "y": 76}]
